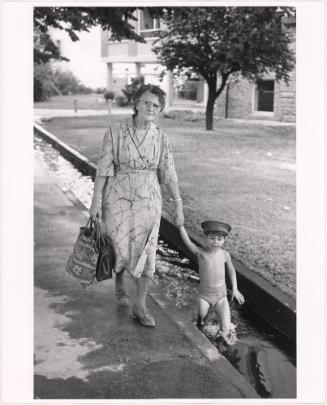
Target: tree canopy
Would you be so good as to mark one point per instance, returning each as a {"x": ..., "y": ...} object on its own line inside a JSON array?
[
  {"x": 77, "y": 19},
  {"x": 214, "y": 42},
  {"x": 217, "y": 42}
]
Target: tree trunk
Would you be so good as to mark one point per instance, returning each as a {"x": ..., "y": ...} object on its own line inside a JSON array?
[
  {"x": 212, "y": 96},
  {"x": 210, "y": 107}
]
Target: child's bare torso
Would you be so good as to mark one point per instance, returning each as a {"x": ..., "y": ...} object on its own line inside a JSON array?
[{"x": 212, "y": 267}]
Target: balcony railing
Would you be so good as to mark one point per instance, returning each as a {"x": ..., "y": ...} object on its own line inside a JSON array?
[{"x": 152, "y": 33}]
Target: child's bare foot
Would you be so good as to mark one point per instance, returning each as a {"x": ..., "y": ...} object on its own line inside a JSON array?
[{"x": 230, "y": 336}]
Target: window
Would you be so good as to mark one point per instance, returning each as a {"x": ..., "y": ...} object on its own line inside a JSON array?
[
  {"x": 188, "y": 90},
  {"x": 264, "y": 96},
  {"x": 148, "y": 26}
]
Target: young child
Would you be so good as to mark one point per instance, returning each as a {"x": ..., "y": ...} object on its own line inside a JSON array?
[{"x": 211, "y": 261}]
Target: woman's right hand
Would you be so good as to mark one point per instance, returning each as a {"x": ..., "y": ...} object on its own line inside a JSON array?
[{"x": 95, "y": 209}]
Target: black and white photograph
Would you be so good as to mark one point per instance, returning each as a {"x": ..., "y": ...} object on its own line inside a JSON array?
[{"x": 164, "y": 202}]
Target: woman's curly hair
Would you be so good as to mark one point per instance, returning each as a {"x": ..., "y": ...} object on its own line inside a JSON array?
[{"x": 152, "y": 88}]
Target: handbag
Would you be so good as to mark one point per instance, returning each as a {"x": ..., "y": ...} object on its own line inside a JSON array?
[
  {"x": 83, "y": 261},
  {"x": 106, "y": 260}
]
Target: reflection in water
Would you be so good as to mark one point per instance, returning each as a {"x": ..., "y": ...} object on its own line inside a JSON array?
[{"x": 265, "y": 358}]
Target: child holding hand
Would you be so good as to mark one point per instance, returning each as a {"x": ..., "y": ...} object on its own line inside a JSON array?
[{"x": 211, "y": 262}]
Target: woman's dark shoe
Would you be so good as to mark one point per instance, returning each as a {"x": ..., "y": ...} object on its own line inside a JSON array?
[
  {"x": 122, "y": 297},
  {"x": 143, "y": 317}
]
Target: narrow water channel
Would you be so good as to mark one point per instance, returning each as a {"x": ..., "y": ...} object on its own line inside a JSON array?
[{"x": 264, "y": 357}]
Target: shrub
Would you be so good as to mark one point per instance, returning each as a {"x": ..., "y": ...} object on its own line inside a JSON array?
[
  {"x": 49, "y": 82},
  {"x": 81, "y": 89},
  {"x": 108, "y": 95},
  {"x": 42, "y": 82},
  {"x": 99, "y": 90},
  {"x": 121, "y": 101},
  {"x": 169, "y": 114},
  {"x": 66, "y": 82},
  {"x": 130, "y": 89}
]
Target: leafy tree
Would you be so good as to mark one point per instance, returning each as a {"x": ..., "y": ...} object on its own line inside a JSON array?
[
  {"x": 221, "y": 42},
  {"x": 49, "y": 82},
  {"x": 42, "y": 76},
  {"x": 44, "y": 48},
  {"x": 76, "y": 19},
  {"x": 72, "y": 20}
]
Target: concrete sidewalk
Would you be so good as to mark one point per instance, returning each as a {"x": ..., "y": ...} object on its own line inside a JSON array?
[
  {"x": 48, "y": 113},
  {"x": 56, "y": 112},
  {"x": 88, "y": 347}
]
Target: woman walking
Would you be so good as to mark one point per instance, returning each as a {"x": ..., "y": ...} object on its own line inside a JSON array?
[{"x": 135, "y": 159}]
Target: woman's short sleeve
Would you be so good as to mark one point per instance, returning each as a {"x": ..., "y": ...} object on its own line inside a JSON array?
[
  {"x": 166, "y": 167},
  {"x": 106, "y": 159}
]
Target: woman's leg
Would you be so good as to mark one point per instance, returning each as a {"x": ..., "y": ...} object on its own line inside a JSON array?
[
  {"x": 121, "y": 292},
  {"x": 140, "y": 312},
  {"x": 143, "y": 284}
]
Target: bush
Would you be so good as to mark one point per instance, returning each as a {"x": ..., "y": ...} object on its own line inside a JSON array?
[
  {"x": 49, "y": 82},
  {"x": 99, "y": 90},
  {"x": 42, "y": 88},
  {"x": 130, "y": 89},
  {"x": 108, "y": 95},
  {"x": 67, "y": 83},
  {"x": 121, "y": 101},
  {"x": 81, "y": 89}
]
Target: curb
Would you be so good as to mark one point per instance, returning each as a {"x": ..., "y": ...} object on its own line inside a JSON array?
[
  {"x": 208, "y": 350},
  {"x": 271, "y": 304},
  {"x": 77, "y": 159}
]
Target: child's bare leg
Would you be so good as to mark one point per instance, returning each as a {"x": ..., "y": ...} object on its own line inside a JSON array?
[
  {"x": 203, "y": 309},
  {"x": 223, "y": 313}
]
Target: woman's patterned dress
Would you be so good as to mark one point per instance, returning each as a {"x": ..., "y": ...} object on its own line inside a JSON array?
[{"x": 135, "y": 163}]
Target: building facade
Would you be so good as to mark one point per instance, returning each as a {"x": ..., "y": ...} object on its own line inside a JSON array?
[
  {"x": 144, "y": 62},
  {"x": 264, "y": 98}
]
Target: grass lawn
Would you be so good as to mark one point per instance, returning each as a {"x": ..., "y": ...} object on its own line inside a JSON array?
[{"x": 243, "y": 174}]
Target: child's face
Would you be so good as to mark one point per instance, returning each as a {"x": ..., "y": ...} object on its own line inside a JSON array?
[{"x": 214, "y": 240}]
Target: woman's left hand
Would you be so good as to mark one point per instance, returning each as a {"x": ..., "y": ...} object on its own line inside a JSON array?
[{"x": 179, "y": 215}]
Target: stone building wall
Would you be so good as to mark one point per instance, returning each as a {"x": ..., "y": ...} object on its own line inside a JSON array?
[
  {"x": 235, "y": 101},
  {"x": 240, "y": 99},
  {"x": 285, "y": 94}
]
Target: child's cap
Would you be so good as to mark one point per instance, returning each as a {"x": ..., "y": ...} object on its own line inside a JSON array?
[{"x": 217, "y": 227}]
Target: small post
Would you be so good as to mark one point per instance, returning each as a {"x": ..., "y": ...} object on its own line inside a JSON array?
[
  {"x": 227, "y": 100},
  {"x": 75, "y": 105},
  {"x": 109, "y": 106},
  {"x": 96, "y": 104}
]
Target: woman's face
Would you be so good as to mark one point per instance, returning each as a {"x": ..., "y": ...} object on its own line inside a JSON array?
[{"x": 148, "y": 107}]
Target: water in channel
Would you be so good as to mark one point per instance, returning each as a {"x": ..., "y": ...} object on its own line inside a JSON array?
[{"x": 266, "y": 359}]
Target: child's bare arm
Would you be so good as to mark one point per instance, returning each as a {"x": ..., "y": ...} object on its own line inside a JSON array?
[
  {"x": 189, "y": 244},
  {"x": 232, "y": 276}
]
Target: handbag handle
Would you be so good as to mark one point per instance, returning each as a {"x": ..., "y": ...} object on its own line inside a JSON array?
[
  {"x": 93, "y": 226},
  {"x": 97, "y": 233},
  {"x": 93, "y": 229}
]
